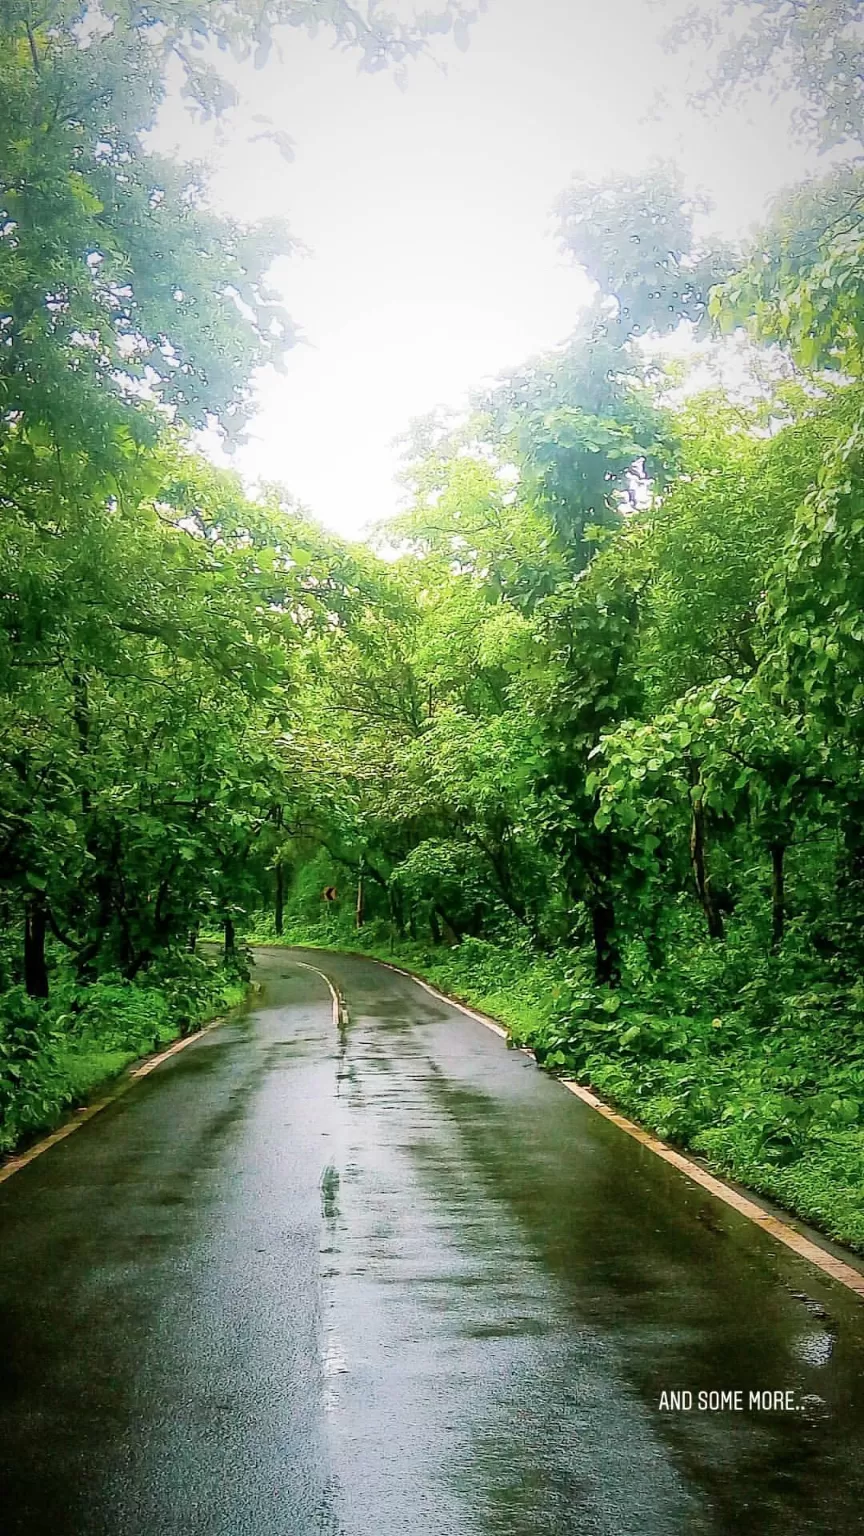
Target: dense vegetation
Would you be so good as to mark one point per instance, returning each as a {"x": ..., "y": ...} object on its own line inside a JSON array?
[
  {"x": 149, "y": 614},
  {"x": 582, "y": 741}
]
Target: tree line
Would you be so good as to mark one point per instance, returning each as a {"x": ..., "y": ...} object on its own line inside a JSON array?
[
  {"x": 605, "y": 673},
  {"x": 628, "y": 679},
  {"x": 150, "y": 613}
]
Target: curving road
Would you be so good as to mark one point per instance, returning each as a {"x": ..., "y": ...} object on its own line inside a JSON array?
[{"x": 387, "y": 1279}]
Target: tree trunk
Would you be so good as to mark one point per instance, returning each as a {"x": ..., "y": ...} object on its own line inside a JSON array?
[
  {"x": 448, "y": 922},
  {"x": 498, "y": 859},
  {"x": 700, "y": 872},
  {"x": 279, "y": 903},
  {"x": 230, "y": 939},
  {"x": 361, "y": 901},
  {"x": 434, "y": 926},
  {"x": 607, "y": 960},
  {"x": 35, "y": 967},
  {"x": 136, "y": 963},
  {"x": 397, "y": 910},
  {"x": 778, "y": 894}
]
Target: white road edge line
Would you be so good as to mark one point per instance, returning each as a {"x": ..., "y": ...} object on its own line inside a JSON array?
[
  {"x": 149, "y": 1064},
  {"x": 443, "y": 998},
  {"x": 15, "y": 1164},
  {"x": 852, "y": 1278}
]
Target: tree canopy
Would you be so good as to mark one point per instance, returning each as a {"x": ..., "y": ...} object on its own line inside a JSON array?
[{"x": 598, "y": 693}]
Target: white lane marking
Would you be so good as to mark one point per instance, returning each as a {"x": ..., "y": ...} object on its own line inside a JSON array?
[
  {"x": 340, "y": 1012},
  {"x": 179, "y": 1045}
]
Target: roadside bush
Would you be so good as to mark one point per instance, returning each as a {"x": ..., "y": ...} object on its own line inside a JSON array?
[{"x": 54, "y": 1055}]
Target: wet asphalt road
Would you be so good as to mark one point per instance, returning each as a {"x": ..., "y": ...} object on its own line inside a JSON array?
[{"x": 389, "y": 1280}]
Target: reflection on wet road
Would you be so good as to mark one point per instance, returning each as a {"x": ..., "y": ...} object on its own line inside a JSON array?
[{"x": 389, "y": 1280}]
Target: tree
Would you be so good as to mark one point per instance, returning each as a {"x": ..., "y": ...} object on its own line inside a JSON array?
[
  {"x": 802, "y": 285},
  {"x": 635, "y": 237},
  {"x": 814, "y": 49},
  {"x": 115, "y": 278},
  {"x": 132, "y": 652}
]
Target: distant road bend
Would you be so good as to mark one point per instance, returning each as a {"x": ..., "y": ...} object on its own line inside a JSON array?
[{"x": 385, "y": 1278}]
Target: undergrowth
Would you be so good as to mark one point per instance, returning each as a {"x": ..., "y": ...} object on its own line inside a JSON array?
[{"x": 54, "y": 1055}]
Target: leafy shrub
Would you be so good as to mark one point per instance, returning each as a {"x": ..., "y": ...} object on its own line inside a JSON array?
[{"x": 52, "y": 1056}]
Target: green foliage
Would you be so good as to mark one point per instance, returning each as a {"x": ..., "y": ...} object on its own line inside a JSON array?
[
  {"x": 583, "y": 425},
  {"x": 635, "y": 238},
  {"x": 813, "y": 50},
  {"x": 594, "y": 762},
  {"x": 817, "y": 312},
  {"x": 710, "y": 542},
  {"x": 114, "y": 276},
  {"x": 53, "y": 1058},
  {"x": 587, "y": 749},
  {"x": 817, "y": 597}
]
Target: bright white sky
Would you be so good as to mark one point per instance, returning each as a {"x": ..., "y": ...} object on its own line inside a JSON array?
[{"x": 432, "y": 263}]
